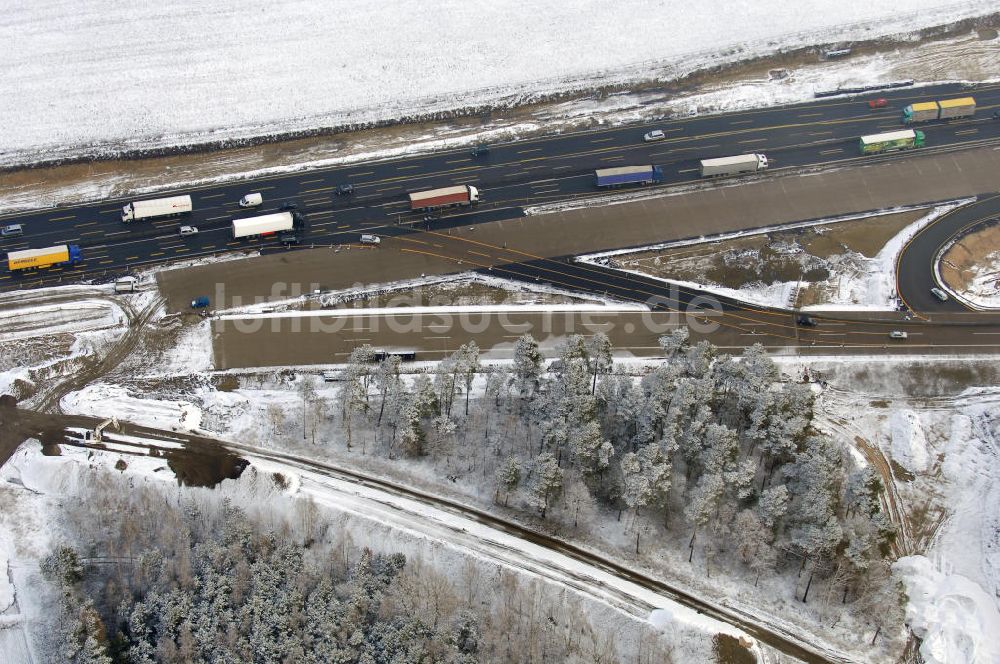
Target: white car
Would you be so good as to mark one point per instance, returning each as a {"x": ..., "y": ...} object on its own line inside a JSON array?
[
  {"x": 939, "y": 294},
  {"x": 188, "y": 230},
  {"x": 251, "y": 200},
  {"x": 655, "y": 135},
  {"x": 897, "y": 334},
  {"x": 368, "y": 238}
]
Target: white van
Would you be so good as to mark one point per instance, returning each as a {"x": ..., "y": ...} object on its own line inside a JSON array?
[
  {"x": 251, "y": 200},
  {"x": 125, "y": 285}
]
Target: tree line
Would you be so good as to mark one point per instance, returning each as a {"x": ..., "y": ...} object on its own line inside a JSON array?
[{"x": 713, "y": 453}]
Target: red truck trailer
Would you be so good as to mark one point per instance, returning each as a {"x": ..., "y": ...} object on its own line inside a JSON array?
[{"x": 461, "y": 195}]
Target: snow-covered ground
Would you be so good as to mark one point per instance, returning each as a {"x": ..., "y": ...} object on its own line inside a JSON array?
[
  {"x": 946, "y": 454},
  {"x": 103, "y": 400},
  {"x": 185, "y": 74},
  {"x": 983, "y": 288},
  {"x": 78, "y": 316},
  {"x": 872, "y": 287},
  {"x": 374, "y": 518}
]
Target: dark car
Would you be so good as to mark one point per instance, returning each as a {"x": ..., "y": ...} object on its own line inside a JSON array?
[
  {"x": 200, "y": 302},
  {"x": 345, "y": 189},
  {"x": 288, "y": 238},
  {"x": 996, "y": 115},
  {"x": 480, "y": 150},
  {"x": 878, "y": 103},
  {"x": 290, "y": 205},
  {"x": 806, "y": 321}
]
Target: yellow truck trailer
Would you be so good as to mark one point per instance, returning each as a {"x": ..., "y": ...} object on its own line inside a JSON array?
[
  {"x": 27, "y": 259},
  {"x": 945, "y": 109}
]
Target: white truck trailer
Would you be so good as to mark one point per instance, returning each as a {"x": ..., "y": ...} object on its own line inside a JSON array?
[
  {"x": 266, "y": 224},
  {"x": 741, "y": 163},
  {"x": 156, "y": 207}
]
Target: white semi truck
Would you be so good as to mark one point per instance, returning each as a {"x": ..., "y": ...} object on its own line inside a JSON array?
[
  {"x": 265, "y": 224},
  {"x": 156, "y": 207},
  {"x": 741, "y": 163}
]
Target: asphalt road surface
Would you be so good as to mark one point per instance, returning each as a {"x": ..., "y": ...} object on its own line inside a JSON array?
[
  {"x": 512, "y": 176},
  {"x": 915, "y": 265},
  {"x": 327, "y": 337}
]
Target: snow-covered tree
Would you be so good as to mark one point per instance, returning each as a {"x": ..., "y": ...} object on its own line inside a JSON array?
[
  {"x": 527, "y": 366},
  {"x": 677, "y": 342},
  {"x": 386, "y": 380},
  {"x": 772, "y": 505},
  {"x": 547, "y": 482},
  {"x": 508, "y": 477},
  {"x": 646, "y": 477},
  {"x": 468, "y": 367},
  {"x": 599, "y": 348}
]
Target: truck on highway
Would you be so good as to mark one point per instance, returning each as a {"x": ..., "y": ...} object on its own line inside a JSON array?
[
  {"x": 26, "y": 259},
  {"x": 266, "y": 224},
  {"x": 623, "y": 175},
  {"x": 461, "y": 195},
  {"x": 741, "y": 163},
  {"x": 892, "y": 141},
  {"x": 944, "y": 109},
  {"x": 156, "y": 207}
]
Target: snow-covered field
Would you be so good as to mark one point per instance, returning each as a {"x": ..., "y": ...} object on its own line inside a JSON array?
[{"x": 103, "y": 76}]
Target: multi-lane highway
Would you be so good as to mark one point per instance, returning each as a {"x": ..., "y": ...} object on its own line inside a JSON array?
[
  {"x": 510, "y": 177},
  {"x": 324, "y": 337}
]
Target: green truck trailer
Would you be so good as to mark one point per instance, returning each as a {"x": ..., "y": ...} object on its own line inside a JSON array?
[{"x": 891, "y": 141}]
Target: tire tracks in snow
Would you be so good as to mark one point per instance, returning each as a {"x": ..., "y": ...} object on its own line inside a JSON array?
[{"x": 137, "y": 321}]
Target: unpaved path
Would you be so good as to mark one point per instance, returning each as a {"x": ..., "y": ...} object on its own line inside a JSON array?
[{"x": 48, "y": 401}]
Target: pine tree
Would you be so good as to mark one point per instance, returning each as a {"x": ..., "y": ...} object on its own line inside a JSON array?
[
  {"x": 527, "y": 366},
  {"x": 548, "y": 482},
  {"x": 508, "y": 476},
  {"x": 469, "y": 367},
  {"x": 599, "y": 348}
]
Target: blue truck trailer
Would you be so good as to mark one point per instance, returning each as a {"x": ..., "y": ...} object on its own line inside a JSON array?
[{"x": 623, "y": 175}]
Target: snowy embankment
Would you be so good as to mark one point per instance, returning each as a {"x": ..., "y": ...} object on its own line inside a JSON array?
[
  {"x": 78, "y": 316},
  {"x": 946, "y": 456},
  {"x": 982, "y": 289},
  {"x": 872, "y": 288},
  {"x": 103, "y": 400},
  {"x": 954, "y": 592},
  {"x": 211, "y": 76}
]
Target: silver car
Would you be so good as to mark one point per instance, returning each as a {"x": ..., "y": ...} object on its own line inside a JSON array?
[
  {"x": 939, "y": 294},
  {"x": 655, "y": 135},
  {"x": 897, "y": 334}
]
